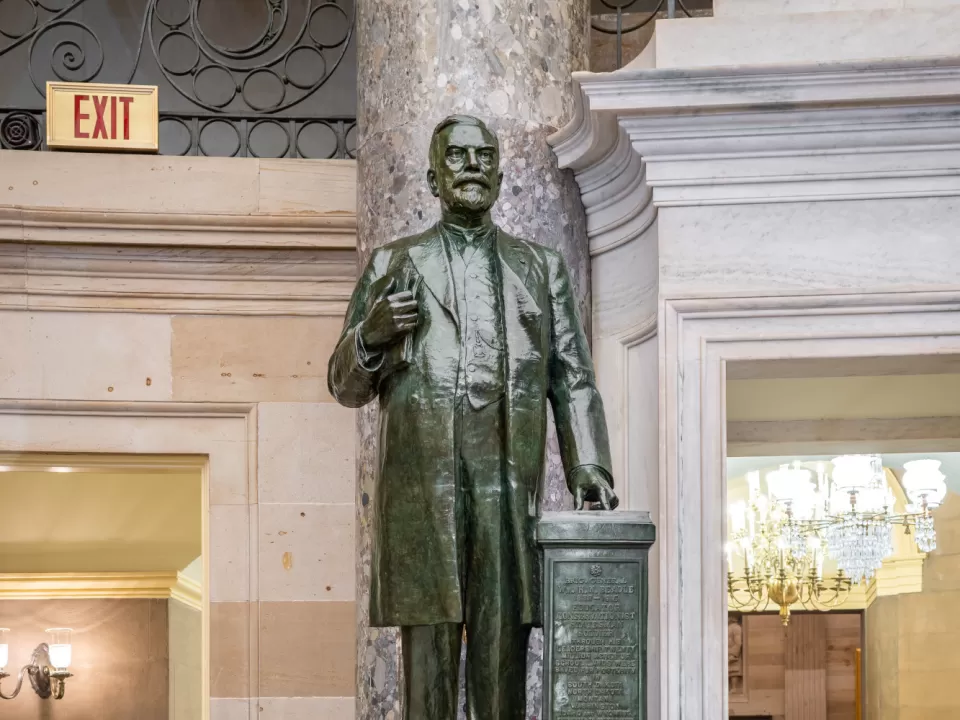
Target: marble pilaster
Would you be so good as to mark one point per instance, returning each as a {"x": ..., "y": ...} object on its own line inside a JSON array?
[{"x": 509, "y": 63}]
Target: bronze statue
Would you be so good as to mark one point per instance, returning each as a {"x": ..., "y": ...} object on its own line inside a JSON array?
[{"x": 464, "y": 333}]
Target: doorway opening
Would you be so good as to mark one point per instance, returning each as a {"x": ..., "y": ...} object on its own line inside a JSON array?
[
  {"x": 842, "y": 528},
  {"x": 112, "y": 549}
]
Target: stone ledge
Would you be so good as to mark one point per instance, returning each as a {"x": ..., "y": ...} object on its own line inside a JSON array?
[
  {"x": 595, "y": 528},
  {"x": 100, "y": 227},
  {"x": 92, "y": 198},
  {"x": 162, "y": 279},
  {"x": 730, "y": 136}
]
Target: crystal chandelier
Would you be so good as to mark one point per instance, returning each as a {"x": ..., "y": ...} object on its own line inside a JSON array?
[{"x": 784, "y": 535}]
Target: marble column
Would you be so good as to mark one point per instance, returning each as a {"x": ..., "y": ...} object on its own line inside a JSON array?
[{"x": 508, "y": 62}]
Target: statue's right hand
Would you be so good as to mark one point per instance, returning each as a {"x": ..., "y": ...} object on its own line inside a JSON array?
[{"x": 391, "y": 318}]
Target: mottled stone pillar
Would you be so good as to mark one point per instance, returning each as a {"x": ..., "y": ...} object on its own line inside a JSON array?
[{"x": 508, "y": 62}]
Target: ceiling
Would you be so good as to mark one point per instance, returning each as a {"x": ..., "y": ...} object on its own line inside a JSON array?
[
  {"x": 105, "y": 520},
  {"x": 871, "y": 396}
]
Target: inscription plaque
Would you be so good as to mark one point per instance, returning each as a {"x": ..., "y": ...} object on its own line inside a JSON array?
[{"x": 595, "y": 614}]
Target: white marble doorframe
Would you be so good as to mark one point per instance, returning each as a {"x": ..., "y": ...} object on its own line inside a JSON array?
[{"x": 698, "y": 338}]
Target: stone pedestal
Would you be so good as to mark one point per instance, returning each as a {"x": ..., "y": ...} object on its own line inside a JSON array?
[
  {"x": 595, "y": 614},
  {"x": 509, "y": 63}
]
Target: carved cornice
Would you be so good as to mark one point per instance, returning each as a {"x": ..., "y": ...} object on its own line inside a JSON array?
[
  {"x": 187, "y": 591},
  {"x": 44, "y": 586},
  {"x": 778, "y": 87},
  {"x": 195, "y": 280},
  {"x": 611, "y": 176},
  {"x": 47, "y": 225},
  {"x": 739, "y": 135},
  {"x": 114, "y": 585}
]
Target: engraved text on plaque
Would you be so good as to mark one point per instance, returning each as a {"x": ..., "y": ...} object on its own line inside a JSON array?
[{"x": 595, "y": 603}]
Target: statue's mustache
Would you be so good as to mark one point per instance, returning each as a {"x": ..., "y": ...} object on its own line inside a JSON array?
[{"x": 472, "y": 180}]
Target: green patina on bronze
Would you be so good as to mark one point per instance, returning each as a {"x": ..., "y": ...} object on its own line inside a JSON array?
[
  {"x": 465, "y": 334},
  {"x": 595, "y": 607}
]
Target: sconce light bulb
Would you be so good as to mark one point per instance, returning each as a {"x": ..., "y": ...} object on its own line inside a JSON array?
[
  {"x": 60, "y": 656},
  {"x": 4, "y": 648},
  {"x": 60, "y": 648}
]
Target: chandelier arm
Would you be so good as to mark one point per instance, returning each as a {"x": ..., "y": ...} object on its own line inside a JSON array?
[{"x": 734, "y": 596}]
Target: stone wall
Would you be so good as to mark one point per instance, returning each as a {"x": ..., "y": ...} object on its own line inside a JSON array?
[
  {"x": 189, "y": 306},
  {"x": 913, "y": 641}
]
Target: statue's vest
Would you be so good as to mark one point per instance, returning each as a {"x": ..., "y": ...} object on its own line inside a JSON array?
[{"x": 477, "y": 285}]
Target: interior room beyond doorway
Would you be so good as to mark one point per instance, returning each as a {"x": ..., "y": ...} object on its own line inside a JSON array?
[
  {"x": 817, "y": 629},
  {"x": 110, "y": 549}
]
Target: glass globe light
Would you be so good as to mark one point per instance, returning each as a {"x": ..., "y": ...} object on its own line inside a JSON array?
[
  {"x": 853, "y": 473},
  {"x": 4, "y": 648},
  {"x": 924, "y": 483},
  {"x": 60, "y": 648},
  {"x": 738, "y": 517},
  {"x": 792, "y": 485}
]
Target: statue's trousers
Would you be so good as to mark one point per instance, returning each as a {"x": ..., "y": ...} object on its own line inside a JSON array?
[{"x": 496, "y": 639}]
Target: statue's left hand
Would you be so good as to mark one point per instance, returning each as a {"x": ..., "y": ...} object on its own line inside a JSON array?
[{"x": 589, "y": 484}]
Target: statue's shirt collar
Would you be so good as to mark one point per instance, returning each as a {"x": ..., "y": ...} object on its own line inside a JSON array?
[{"x": 468, "y": 236}]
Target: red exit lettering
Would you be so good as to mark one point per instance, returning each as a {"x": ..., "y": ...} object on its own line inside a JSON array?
[{"x": 100, "y": 111}]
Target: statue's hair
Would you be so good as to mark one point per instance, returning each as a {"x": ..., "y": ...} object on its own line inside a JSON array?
[{"x": 456, "y": 120}]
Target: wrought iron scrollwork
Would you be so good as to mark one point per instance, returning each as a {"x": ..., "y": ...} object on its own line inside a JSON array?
[
  {"x": 231, "y": 136},
  {"x": 664, "y": 8},
  {"x": 263, "y": 59},
  {"x": 20, "y": 131},
  {"x": 251, "y": 91}
]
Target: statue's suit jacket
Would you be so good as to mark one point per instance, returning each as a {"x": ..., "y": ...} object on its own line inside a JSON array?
[{"x": 415, "y": 577}]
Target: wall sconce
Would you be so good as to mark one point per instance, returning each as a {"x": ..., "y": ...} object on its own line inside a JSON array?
[{"x": 48, "y": 664}]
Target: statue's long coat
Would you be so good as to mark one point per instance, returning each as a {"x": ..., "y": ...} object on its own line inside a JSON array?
[{"x": 415, "y": 578}]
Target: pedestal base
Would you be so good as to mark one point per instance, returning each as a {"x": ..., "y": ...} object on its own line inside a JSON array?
[{"x": 595, "y": 614}]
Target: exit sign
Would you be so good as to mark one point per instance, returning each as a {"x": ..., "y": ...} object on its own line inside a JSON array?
[{"x": 94, "y": 116}]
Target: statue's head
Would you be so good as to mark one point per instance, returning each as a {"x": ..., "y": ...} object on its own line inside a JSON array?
[{"x": 464, "y": 166}]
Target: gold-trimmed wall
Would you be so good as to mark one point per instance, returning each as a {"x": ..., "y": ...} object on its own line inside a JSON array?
[{"x": 156, "y": 304}]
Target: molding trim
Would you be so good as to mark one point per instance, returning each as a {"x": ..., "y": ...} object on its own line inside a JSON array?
[
  {"x": 646, "y": 330},
  {"x": 190, "y": 280},
  {"x": 116, "y": 585},
  {"x": 50, "y": 225},
  {"x": 131, "y": 408},
  {"x": 743, "y": 135},
  {"x": 612, "y": 178},
  {"x": 678, "y": 91},
  {"x": 48, "y": 586},
  {"x": 187, "y": 591}
]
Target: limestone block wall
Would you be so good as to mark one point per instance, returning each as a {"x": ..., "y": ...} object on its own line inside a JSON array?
[
  {"x": 189, "y": 305},
  {"x": 913, "y": 641}
]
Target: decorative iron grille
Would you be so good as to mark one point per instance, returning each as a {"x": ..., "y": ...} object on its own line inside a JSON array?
[
  {"x": 260, "y": 78},
  {"x": 621, "y": 17}
]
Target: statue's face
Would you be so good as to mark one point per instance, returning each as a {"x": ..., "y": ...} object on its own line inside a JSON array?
[{"x": 466, "y": 174}]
